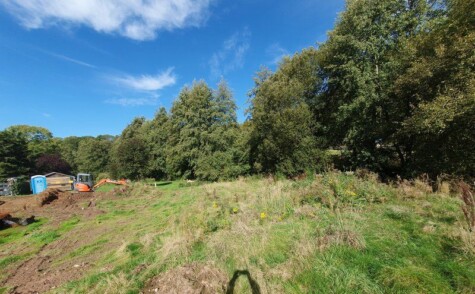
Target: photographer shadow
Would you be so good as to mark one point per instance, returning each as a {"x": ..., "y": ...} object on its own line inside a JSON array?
[{"x": 232, "y": 283}]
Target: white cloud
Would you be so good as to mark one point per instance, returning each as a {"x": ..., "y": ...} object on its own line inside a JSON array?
[
  {"x": 135, "y": 19},
  {"x": 147, "y": 85},
  {"x": 231, "y": 56},
  {"x": 276, "y": 53},
  {"x": 47, "y": 115},
  {"x": 133, "y": 101},
  {"x": 147, "y": 82}
]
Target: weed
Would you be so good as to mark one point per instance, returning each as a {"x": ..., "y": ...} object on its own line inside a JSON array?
[{"x": 134, "y": 248}]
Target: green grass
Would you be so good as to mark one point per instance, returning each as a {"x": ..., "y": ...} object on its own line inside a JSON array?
[
  {"x": 17, "y": 234},
  {"x": 332, "y": 234},
  {"x": 9, "y": 260},
  {"x": 106, "y": 188}
]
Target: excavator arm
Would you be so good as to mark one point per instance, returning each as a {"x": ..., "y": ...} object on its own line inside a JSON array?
[{"x": 106, "y": 181}]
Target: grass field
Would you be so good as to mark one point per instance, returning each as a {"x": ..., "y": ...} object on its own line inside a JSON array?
[{"x": 334, "y": 233}]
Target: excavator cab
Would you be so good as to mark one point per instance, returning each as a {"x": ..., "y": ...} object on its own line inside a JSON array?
[{"x": 84, "y": 183}]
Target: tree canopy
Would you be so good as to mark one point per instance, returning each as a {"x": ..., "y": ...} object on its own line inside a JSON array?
[{"x": 392, "y": 89}]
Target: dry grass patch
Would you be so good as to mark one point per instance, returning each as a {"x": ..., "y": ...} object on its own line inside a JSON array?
[
  {"x": 194, "y": 278},
  {"x": 340, "y": 237}
]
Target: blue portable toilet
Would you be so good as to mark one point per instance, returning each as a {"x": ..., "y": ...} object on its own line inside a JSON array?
[{"x": 38, "y": 184}]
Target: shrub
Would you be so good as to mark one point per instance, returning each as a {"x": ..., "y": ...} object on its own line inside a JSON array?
[
  {"x": 468, "y": 205},
  {"x": 20, "y": 186}
]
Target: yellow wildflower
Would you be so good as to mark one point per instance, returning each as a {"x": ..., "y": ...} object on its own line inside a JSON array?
[
  {"x": 263, "y": 215},
  {"x": 215, "y": 205},
  {"x": 351, "y": 193}
]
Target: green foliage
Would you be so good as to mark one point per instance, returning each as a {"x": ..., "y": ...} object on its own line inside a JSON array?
[
  {"x": 439, "y": 78},
  {"x": 129, "y": 153},
  {"x": 20, "y": 186},
  {"x": 282, "y": 137},
  {"x": 92, "y": 155},
  {"x": 68, "y": 149},
  {"x": 13, "y": 154},
  {"x": 156, "y": 134},
  {"x": 40, "y": 142},
  {"x": 398, "y": 87},
  {"x": 391, "y": 90},
  {"x": 32, "y": 133},
  {"x": 203, "y": 131}
]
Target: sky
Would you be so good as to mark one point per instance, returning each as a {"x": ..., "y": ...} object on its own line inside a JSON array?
[{"x": 88, "y": 67}]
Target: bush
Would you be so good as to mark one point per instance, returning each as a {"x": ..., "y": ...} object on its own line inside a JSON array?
[
  {"x": 102, "y": 176},
  {"x": 20, "y": 186}
]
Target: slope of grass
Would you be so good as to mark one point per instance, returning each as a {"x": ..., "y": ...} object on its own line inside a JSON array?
[{"x": 333, "y": 233}]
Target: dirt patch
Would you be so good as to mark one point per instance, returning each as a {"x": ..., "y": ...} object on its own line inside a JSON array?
[
  {"x": 48, "y": 196},
  {"x": 52, "y": 265},
  {"x": 189, "y": 279},
  {"x": 54, "y": 204}
]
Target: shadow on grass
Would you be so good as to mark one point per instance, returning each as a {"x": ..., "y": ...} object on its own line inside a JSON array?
[
  {"x": 8, "y": 221},
  {"x": 232, "y": 283},
  {"x": 162, "y": 184}
]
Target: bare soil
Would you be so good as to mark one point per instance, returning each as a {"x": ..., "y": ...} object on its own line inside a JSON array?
[{"x": 51, "y": 267}]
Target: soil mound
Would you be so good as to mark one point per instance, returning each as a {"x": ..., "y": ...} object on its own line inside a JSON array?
[
  {"x": 192, "y": 278},
  {"x": 48, "y": 196}
]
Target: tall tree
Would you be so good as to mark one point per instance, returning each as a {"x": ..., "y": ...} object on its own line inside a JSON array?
[
  {"x": 359, "y": 65},
  {"x": 13, "y": 154},
  {"x": 51, "y": 163},
  {"x": 68, "y": 150},
  {"x": 130, "y": 155},
  {"x": 93, "y": 156},
  {"x": 220, "y": 158},
  {"x": 156, "y": 133},
  {"x": 438, "y": 85},
  {"x": 40, "y": 142},
  {"x": 202, "y": 132},
  {"x": 282, "y": 137}
]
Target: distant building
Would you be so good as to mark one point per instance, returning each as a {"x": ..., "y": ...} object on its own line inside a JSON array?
[
  {"x": 60, "y": 181},
  {"x": 5, "y": 189}
]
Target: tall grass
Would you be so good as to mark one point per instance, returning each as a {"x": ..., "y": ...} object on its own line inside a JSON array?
[{"x": 334, "y": 233}]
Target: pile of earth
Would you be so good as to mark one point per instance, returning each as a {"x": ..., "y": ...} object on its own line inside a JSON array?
[{"x": 192, "y": 278}]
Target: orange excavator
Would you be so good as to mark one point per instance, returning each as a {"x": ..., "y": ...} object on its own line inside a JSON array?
[{"x": 85, "y": 183}]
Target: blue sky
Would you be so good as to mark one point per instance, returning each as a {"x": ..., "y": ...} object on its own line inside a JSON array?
[{"x": 88, "y": 67}]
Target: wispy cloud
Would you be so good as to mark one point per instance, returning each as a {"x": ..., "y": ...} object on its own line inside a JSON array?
[
  {"x": 69, "y": 59},
  {"x": 152, "y": 100},
  {"x": 138, "y": 20},
  {"x": 146, "y": 85},
  {"x": 276, "y": 52},
  {"x": 231, "y": 55},
  {"x": 147, "y": 82},
  {"x": 47, "y": 115}
]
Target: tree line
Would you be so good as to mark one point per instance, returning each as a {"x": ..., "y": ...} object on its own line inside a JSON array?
[{"x": 391, "y": 90}]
